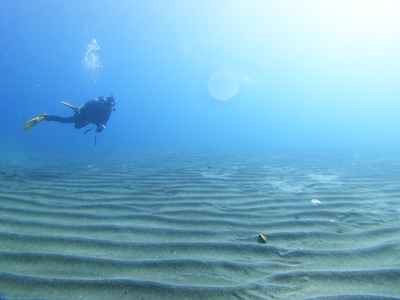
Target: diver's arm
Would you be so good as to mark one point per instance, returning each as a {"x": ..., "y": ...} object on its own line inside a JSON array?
[
  {"x": 102, "y": 123},
  {"x": 100, "y": 127},
  {"x": 103, "y": 114}
]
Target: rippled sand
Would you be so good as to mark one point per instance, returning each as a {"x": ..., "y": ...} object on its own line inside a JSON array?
[{"x": 186, "y": 226}]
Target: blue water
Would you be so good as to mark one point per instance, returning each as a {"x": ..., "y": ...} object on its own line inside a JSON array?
[
  {"x": 308, "y": 77},
  {"x": 311, "y": 75}
]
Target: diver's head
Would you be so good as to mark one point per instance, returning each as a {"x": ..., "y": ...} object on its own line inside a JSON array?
[{"x": 111, "y": 101}]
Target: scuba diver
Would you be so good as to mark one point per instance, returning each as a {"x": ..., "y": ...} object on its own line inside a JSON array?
[{"x": 96, "y": 111}]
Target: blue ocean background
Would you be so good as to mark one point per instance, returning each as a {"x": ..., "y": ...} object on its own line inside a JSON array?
[
  {"x": 253, "y": 152},
  {"x": 316, "y": 75}
]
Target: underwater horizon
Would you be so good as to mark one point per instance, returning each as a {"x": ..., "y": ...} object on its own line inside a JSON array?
[{"x": 234, "y": 121}]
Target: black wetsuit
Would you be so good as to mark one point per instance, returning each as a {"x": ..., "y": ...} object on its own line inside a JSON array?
[{"x": 96, "y": 111}]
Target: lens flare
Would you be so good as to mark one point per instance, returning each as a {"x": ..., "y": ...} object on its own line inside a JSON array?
[{"x": 223, "y": 84}]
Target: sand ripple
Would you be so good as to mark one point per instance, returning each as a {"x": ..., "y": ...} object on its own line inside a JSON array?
[{"x": 186, "y": 226}]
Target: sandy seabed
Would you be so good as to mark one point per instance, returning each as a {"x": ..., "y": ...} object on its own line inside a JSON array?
[{"x": 186, "y": 225}]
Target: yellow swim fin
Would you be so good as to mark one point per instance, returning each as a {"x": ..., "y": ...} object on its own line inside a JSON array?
[
  {"x": 74, "y": 108},
  {"x": 28, "y": 125}
]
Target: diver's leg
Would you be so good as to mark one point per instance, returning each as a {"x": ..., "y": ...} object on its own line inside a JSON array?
[
  {"x": 60, "y": 119},
  {"x": 80, "y": 122}
]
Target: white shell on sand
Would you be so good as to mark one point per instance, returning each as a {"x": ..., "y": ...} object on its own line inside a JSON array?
[{"x": 315, "y": 201}]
